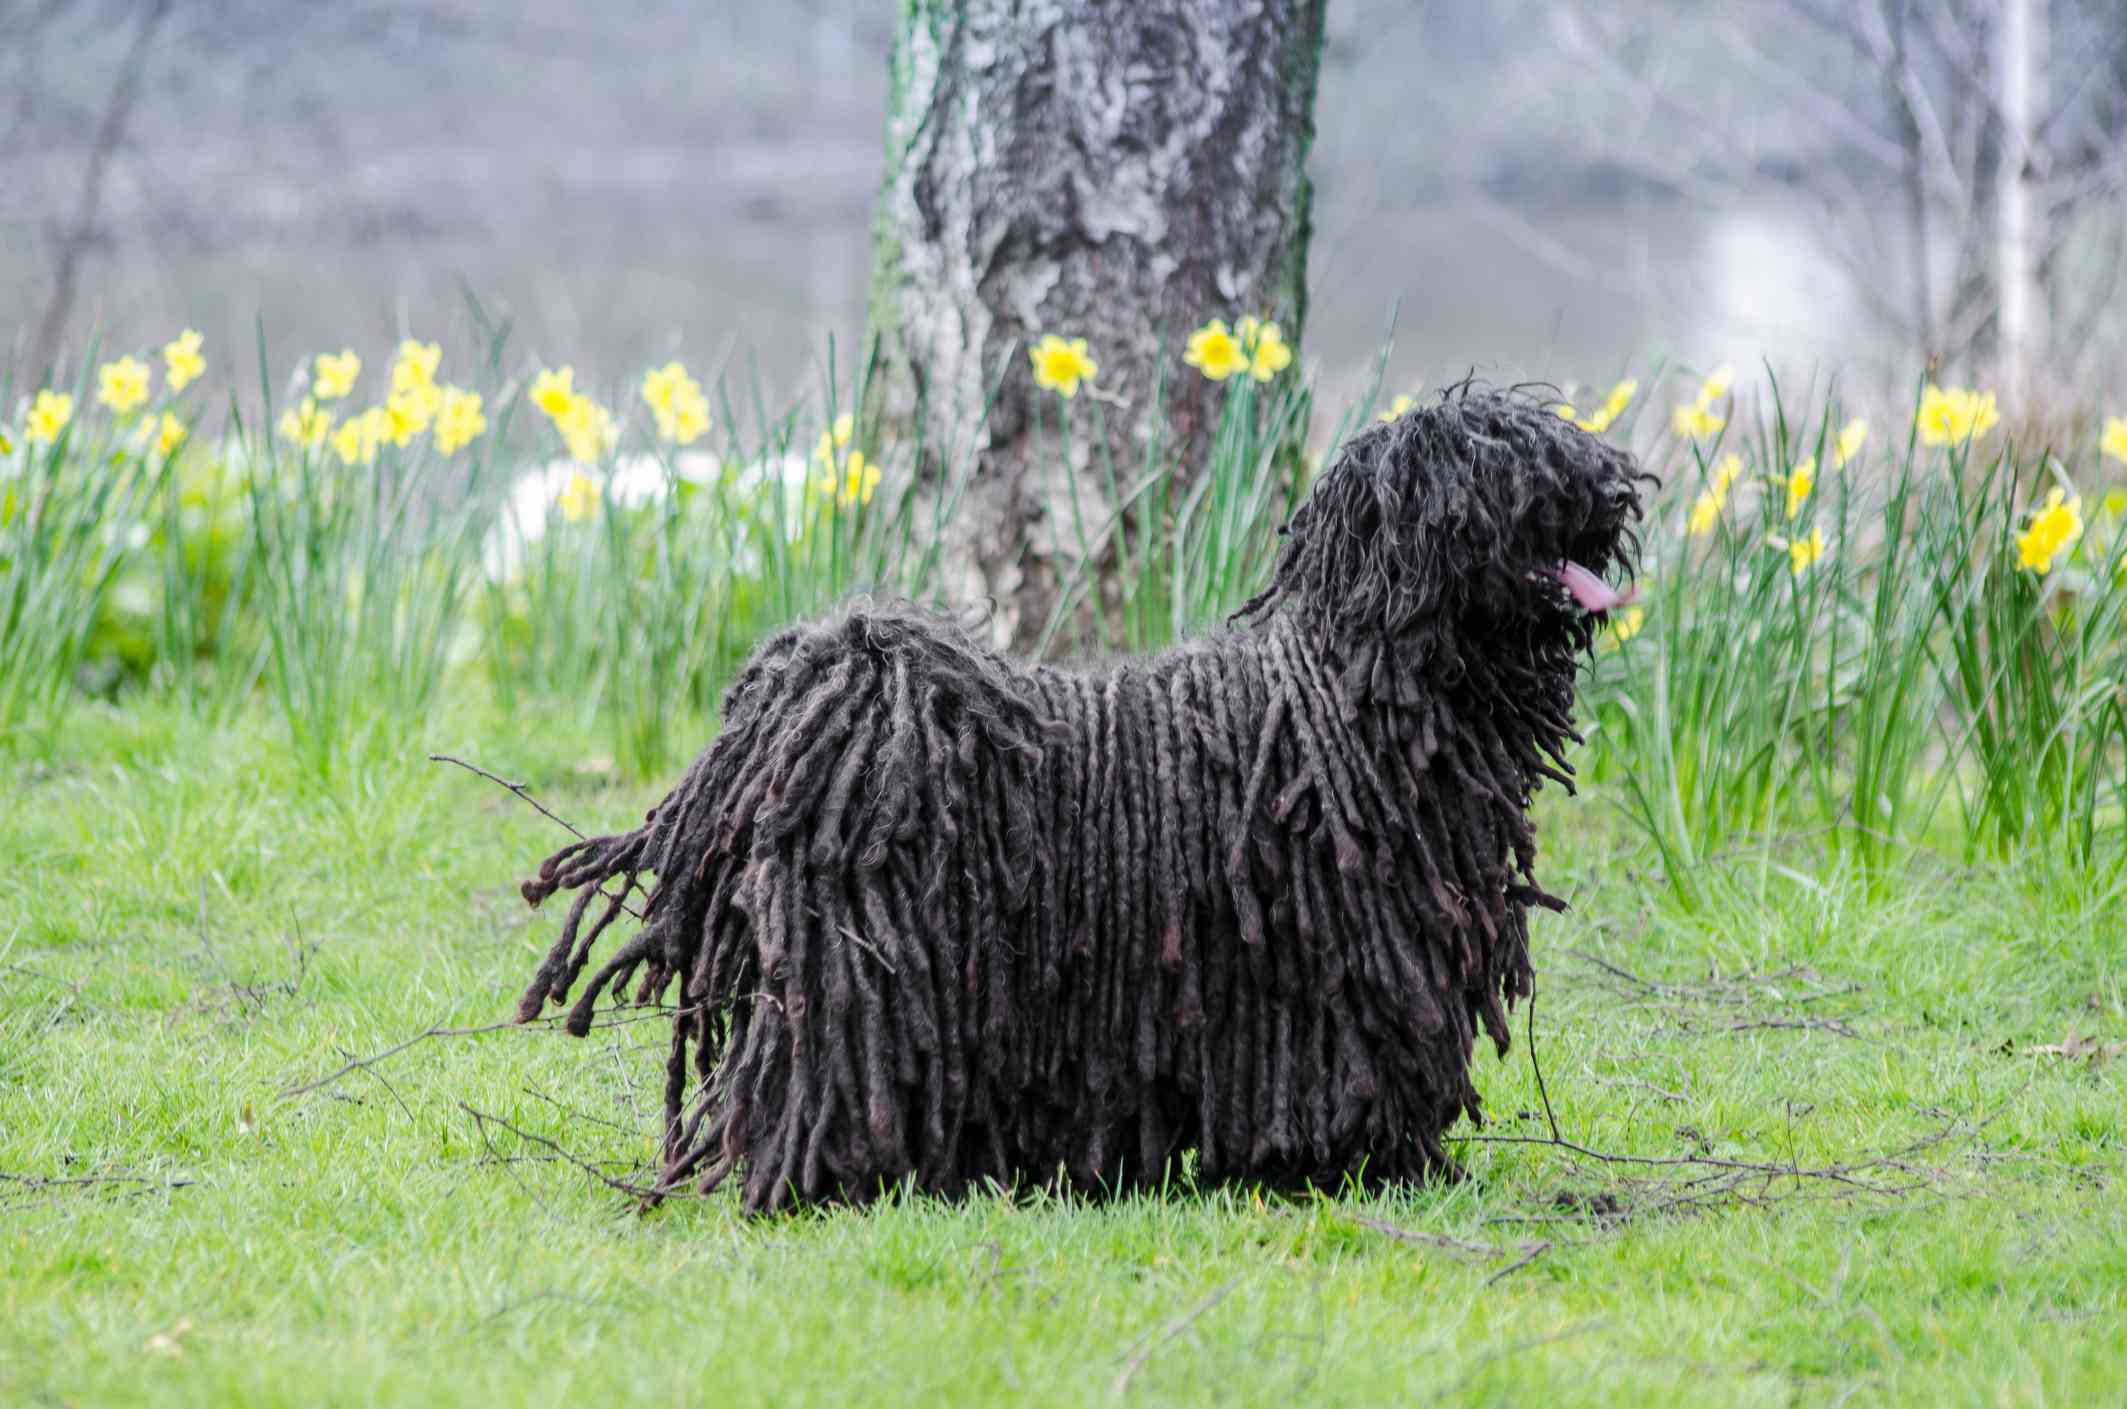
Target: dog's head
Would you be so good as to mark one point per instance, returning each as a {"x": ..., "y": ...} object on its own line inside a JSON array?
[{"x": 1482, "y": 523}]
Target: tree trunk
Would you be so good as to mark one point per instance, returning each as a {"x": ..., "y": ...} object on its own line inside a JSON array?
[
  {"x": 2020, "y": 227},
  {"x": 1116, "y": 170}
]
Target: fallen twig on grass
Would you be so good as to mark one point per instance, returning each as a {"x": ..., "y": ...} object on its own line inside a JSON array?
[
  {"x": 634, "y": 1015},
  {"x": 360, "y": 1063},
  {"x": 1520, "y": 1347},
  {"x": 1423, "y": 1239},
  {"x": 1146, "y": 1344},
  {"x": 17, "y": 1191},
  {"x": 1686, "y": 1028},
  {"x": 566, "y": 1109},
  {"x": 523, "y": 792},
  {"x": 644, "y": 1194},
  {"x": 1719, "y": 1179},
  {"x": 1840, "y": 1173},
  {"x": 1717, "y": 990},
  {"x": 48, "y": 1181},
  {"x": 1531, "y": 1251}
]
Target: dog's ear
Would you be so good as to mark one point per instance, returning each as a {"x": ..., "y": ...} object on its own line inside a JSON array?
[{"x": 1392, "y": 530}]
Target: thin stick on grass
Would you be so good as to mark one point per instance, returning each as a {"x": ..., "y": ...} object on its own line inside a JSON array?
[
  {"x": 643, "y": 1194},
  {"x": 1148, "y": 1343},
  {"x": 1422, "y": 1239},
  {"x": 363, "y": 1063},
  {"x": 523, "y": 792},
  {"x": 1530, "y": 1252},
  {"x": 355, "y": 1064}
]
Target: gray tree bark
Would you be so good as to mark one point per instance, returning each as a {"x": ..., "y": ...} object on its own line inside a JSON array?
[{"x": 1116, "y": 170}]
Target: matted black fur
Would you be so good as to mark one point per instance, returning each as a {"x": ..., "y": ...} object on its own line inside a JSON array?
[{"x": 929, "y": 913}]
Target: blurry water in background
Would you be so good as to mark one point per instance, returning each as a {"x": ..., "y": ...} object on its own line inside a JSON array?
[
  {"x": 698, "y": 182},
  {"x": 1613, "y": 290},
  {"x": 766, "y": 290}
]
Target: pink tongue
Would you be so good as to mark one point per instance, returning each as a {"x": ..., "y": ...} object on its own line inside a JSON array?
[{"x": 1593, "y": 594}]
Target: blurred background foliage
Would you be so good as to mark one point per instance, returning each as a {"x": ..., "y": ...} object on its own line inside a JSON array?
[{"x": 1534, "y": 187}]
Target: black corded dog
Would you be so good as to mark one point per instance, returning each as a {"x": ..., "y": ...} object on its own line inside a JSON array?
[{"x": 932, "y": 914}]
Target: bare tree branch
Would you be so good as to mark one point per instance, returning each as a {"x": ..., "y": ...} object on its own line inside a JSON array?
[
  {"x": 74, "y": 244},
  {"x": 2003, "y": 123}
]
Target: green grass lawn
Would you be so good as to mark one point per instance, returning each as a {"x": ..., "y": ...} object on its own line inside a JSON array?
[{"x": 188, "y": 927}]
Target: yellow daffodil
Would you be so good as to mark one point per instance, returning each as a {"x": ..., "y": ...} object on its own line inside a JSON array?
[
  {"x": 588, "y": 430},
  {"x": 1847, "y": 444},
  {"x": 658, "y": 383},
  {"x": 7, "y": 442},
  {"x": 169, "y": 434},
  {"x": 1605, "y": 415},
  {"x": 412, "y": 409},
  {"x": 458, "y": 420},
  {"x": 1402, "y": 403},
  {"x": 181, "y": 360},
  {"x": 688, "y": 420},
  {"x": 676, "y": 401},
  {"x": 1955, "y": 415},
  {"x": 1060, "y": 364},
  {"x": 859, "y": 480},
  {"x": 378, "y": 426},
  {"x": 1696, "y": 422},
  {"x": 404, "y": 420},
  {"x": 49, "y": 415},
  {"x": 553, "y": 390},
  {"x": 2114, "y": 441},
  {"x": 1705, "y": 513},
  {"x": 347, "y": 441},
  {"x": 1268, "y": 352},
  {"x": 414, "y": 366},
  {"x": 663, "y": 385},
  {"x": 1706, "y": 509},
  {"x": 1215, "y": 352},
  {"x": 306, "y": 424},
  {"x": 359, "y": 438},
  {"x": 579, "y": 497},
  {"x": 1624, "y": 627},
  {"x": 2053, "y": 529},
  {"x": 122, "y": 385},
  {"x": 1804, "y": 552},
  {"x": 334, "y": 376},
  {"x": 1800, "y": 481},
  {"x": 834, "y": 440}
]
